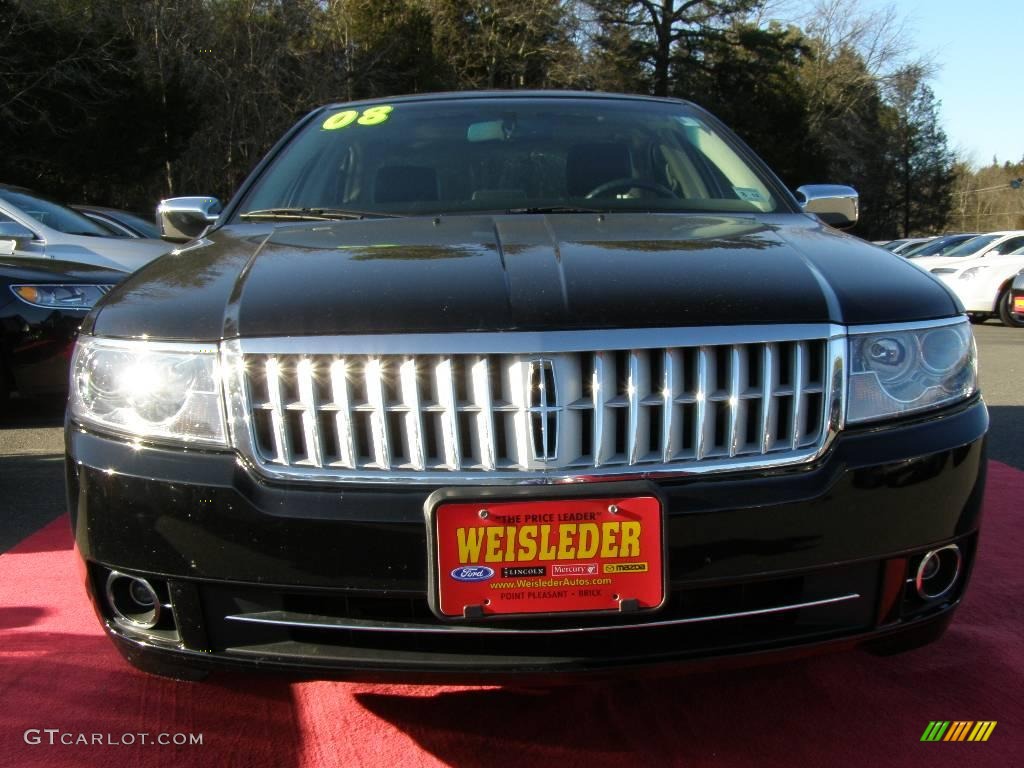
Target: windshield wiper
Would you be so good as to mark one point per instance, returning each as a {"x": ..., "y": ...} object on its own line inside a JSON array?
[
  {"x": 314, "y": 214},
  {"x": 557, "y": 209}
]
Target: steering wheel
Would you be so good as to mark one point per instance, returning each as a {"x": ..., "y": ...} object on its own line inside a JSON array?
[{"x": 627, "y": 183}]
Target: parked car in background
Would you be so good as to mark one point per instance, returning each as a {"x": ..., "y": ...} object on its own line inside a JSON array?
[
  {"x": 119, "y": 223},
  {"x": 1017, "y": 298},
  {"x": 42, "y": 305},
  {"x": 984, "y": 285},
  {"x": 42, "y": 228},
  {"x": 938, "y": 246},
  {"x": 905, "y": 244},
  {"x": 477, "y": 385},
  {"x": 982, "y": 246}
]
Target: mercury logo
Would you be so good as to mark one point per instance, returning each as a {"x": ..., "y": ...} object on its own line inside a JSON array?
[{"x": 576, "y": 569}]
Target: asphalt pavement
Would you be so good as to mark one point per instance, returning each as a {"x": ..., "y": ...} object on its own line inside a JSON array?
[{"x": 31, "y": 441}]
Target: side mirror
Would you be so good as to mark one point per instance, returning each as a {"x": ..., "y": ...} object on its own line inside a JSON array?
[
  {"x": 834, "y": 204},
  {"x": 185, "y": 218}
]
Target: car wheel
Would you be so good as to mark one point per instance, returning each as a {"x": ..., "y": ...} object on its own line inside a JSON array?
[
  {"x": 976, "y": 319},
  {"x": 1005, "y": 303}
]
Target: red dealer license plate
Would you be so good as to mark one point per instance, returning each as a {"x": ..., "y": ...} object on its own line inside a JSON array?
[
  {"x": 1018, "y": 305},
  {"x": 531, "y": 557}
]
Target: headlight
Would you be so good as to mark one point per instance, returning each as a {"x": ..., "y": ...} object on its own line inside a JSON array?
[
  {"x": 61, "y": 296},
  {"x": 894, "y": 373},
  {"x": 149, "y": 390},
  {"x": 972, "y": 273}
]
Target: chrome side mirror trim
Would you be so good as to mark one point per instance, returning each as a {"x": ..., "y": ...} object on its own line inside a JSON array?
[
  {"x": 185, "y": 218},
  {"x": 835, "y": 204}
]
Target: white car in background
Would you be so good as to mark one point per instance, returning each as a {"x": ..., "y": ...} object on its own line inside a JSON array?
[
  {"x": 983, "y": 286},
  {"x": 980, "y": 247}
]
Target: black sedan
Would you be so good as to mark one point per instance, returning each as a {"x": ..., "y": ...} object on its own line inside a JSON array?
[
  {"x": 42, "y": 304},
  {"x": 472, "y": 386}
]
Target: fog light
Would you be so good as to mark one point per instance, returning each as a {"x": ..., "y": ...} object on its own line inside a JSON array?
[
  {"x": 133, "y": 600},
  {"x": 938, "y": 572},
  {"x": 142, "y": 593}
]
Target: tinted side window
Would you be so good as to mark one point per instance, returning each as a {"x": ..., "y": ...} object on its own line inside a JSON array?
[{"x": 1008, "y": 246}]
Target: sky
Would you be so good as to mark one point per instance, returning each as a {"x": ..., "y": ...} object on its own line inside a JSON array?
[{"x": 977, "y": 48}]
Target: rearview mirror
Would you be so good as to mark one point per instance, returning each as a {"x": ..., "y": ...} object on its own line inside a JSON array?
[
  {"x": 185, "y": 218},
  {"x": 835, "y": 204}
]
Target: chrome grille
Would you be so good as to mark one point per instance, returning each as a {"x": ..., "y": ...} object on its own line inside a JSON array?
[{"x": 337, "y": 409}]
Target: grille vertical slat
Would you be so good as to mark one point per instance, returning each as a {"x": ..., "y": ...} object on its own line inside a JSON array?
[
  {"x": 373, "y": 373},
  {"x": 797, "y": 411},
  {"x": 435, "y": 414},
  {"x": 701, "y": 422},
  {"x": 310, "y": 422},
  {"x": 604, "y": 437},
  {"x": 282, "y": 443},
  {"x": 481, "y": 379},
  {"x": 413, "y": 418},
  {"x": 737, "y": 368},
  {"x": 342, "y": 410},
  {"x": 769, "y": 380},
  {"x": 637, "y": 388},
  {"x": 670, "y": 426},
  {"x": 445, "y": 376}
]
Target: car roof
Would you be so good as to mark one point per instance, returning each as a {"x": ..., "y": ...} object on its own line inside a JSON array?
[{"x": 509, "y": 94}]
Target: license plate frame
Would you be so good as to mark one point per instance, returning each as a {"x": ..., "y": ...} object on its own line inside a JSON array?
[{"x": 630, "y": 560}]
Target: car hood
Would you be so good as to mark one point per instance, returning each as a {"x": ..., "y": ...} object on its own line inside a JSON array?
[
  {"x": 123, "y": 253},
  {"x": 16, "y": 269},
  {"x": 1002, "y": 265},
  {"x": 928, "y": 263},
  {"x": 518, "y": 273}
]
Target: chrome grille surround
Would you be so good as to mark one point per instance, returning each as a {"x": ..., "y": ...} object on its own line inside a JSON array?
[{"x": 458, "y": 409}]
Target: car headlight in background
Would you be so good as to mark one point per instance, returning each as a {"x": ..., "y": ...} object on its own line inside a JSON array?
[
  {"x": 161, "y": 391},
  {"x": 61, "y": 296},
  {"x": 898, "y": 372},
  {"x": 972, "y": 273}
]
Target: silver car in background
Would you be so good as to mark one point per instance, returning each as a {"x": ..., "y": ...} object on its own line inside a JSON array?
[{"x": 33, "y": 226}]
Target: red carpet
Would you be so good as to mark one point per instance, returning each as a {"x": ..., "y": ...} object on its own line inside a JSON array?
[{"x": 57, "y": 671}]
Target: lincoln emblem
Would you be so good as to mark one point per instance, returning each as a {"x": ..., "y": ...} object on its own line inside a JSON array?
[{"x": 542, "y": 409}]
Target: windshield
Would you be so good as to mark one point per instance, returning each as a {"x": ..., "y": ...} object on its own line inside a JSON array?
[
  {"x": 144, "y": 227},
  {"x": 940, "y": 247},
  {"x": 520, "y": 154},
  {"x": 972, "y": 246},
  {"x": 52, "y": 215}
]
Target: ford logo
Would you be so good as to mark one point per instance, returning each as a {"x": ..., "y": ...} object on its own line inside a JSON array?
[{"x": 472, "y": 573}]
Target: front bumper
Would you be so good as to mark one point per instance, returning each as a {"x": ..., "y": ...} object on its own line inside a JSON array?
[
  {"x": 334, "y": 580},
  {"x": 976, "y": 295}
]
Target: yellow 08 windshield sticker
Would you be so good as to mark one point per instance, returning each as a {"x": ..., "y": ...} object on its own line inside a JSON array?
[{"x": 369, "y": 116}]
